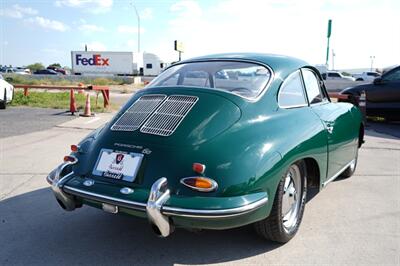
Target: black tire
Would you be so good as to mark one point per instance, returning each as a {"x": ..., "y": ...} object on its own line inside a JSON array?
[
  {"x": 351, "y": 169},
  {"x": 273, "y": 227},
  {"x": 4, "y": 103}
]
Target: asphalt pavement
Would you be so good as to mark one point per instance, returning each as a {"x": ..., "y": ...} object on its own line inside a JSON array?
[
  {"x": 22, "y": 120},
  {"x": 354, "y": 221}
]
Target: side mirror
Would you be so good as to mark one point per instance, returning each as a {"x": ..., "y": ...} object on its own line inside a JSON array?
[
  {"x": 378, "y": 80},
  {"x": 323, "y": 76}
]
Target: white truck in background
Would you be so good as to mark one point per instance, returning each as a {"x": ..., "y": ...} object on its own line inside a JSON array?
[
  {"x": 116, "y": 63},
  {"x": 152, "y": 65},
  {"x": 366, "y": 76}
]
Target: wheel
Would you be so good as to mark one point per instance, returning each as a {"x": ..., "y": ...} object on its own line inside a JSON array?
[
  {"x": 359, "y": 79},
  {"x": 4, "y": 103},
  {"x": 288, "y": 207},
  {"x": 351, "y": 169}
]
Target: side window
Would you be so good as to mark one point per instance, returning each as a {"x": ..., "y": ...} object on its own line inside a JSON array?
[
  {"x": 392, "y": 75},
  {"x": 291, "y": 93},
  {"x": 312, "y": 87}
]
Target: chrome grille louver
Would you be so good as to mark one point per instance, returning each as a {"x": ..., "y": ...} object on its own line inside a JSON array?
[
  {"x": 140, "y": 110},
  {"x": 168, "y": 116}
]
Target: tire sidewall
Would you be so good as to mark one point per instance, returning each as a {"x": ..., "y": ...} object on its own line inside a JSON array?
[{"x": 280, "y": 192}]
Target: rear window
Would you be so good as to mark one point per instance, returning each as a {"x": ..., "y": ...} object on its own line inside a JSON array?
[{"x": 241, "y": 78}]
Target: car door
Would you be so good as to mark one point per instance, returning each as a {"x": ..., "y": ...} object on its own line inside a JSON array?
[
  {"x": 387, "y": 89},
  {"x": 337, "y": 121}
]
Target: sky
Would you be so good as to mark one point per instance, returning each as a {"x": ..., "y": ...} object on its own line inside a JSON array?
[{"x": 47, "y": 31}]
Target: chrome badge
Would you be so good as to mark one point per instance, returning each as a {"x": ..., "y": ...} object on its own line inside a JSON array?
[{"x": 126, "y": 190}]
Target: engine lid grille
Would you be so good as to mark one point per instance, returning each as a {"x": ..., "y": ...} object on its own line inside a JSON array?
[
  {"x": 140, "y": 110},
  {"x": 166, "y": 119}
]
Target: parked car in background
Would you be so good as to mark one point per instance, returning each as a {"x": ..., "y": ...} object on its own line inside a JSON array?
[
  {"x": 383, "y": 95},
  {"x": 366, "y": 76},
  {"x": 46, "y": 72},
  {"x": 336, "y": 75},
  {"x": 6, "y": 93},
  {"x": 57, "y": 69},
  {"x": 22, "y": 71},
  {"x": 204, "y": 150}
]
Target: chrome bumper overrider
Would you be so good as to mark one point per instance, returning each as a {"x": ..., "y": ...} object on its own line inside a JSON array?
[{"x": 157, "y": 212}]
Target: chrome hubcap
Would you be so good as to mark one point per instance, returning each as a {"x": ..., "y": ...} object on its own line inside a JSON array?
[{"x": 291, "y": 198}]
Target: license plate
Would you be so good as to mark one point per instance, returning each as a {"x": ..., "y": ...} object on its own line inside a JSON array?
[{"x": 118, "y": 165}]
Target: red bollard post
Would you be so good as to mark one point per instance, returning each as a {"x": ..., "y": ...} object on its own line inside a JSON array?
[
  {"x": 106, "y": 97},
  {"x": 72, "y": 103},
  {"x": 26, "y": 93}
]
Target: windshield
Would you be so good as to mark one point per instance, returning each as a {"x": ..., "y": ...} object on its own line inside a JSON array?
[{"x": 241, "y": 78}]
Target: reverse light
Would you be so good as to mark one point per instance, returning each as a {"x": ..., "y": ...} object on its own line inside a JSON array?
[{"x": 199, "y": 183}]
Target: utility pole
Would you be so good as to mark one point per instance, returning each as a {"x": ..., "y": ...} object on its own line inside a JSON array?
[
  {"x": 138, "y": 26},
  {"x": 328, "y": 36},
  {"x": 372, "y": 57}
]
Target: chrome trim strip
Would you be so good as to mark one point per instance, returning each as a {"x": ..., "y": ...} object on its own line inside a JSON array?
[
  {"x": 220, "y": 213},
  {"x": 338, "y": 173},
  {"x": 97, "y": 197}
]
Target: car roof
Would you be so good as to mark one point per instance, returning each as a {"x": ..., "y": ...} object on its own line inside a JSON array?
[{"x": 278, "y": 63}]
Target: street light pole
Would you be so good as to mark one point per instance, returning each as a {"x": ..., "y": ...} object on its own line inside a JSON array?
[
  {"x": 138, "y": 26},
  {"x": 372, "y": 57}
]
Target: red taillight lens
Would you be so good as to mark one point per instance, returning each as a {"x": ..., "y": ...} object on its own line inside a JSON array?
[
  {"x": 69, "y": 158},
  {"x": 199, "y": 168},
  {"x": 74, "y": 148}
]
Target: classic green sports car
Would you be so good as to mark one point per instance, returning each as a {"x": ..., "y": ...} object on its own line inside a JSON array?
[{"x": 216, "y": 142}]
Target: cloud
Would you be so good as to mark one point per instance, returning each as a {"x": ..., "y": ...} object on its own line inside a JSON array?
[
  {"x": 48, "y": 23},
  {"x": 129, "y": 29},
  {"x": 146, "y": 13},
  {"x": 94, "y": 46},
  {"x": 289, "y": 27},
  {"x": 88, "y": 28},
  {"x": 17, "y": 11},
  {"x": 92, "y": 6}
]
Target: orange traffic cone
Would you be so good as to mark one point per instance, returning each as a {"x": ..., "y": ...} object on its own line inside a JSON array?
[
  {"x": 87, "y": 112},
  {"x": 72, "y": 103}
]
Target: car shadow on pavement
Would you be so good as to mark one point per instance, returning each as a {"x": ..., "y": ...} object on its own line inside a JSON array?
[{"x": 35, "y": 230}]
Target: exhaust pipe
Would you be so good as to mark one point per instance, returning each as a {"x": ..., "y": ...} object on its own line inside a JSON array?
[{"x": 159, "y": 194}]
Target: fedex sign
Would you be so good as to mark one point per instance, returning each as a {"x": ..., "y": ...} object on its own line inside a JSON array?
[{"x": 95, "y": 60}]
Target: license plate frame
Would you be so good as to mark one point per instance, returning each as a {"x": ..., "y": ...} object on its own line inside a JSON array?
[{"x": 118, "y": 165}]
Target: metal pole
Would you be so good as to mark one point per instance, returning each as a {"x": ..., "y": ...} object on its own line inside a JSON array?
[
  {"x": 138, "y": 26},
  {"x": 328, "y": 36},
  {"x": 372, "y": 57}
]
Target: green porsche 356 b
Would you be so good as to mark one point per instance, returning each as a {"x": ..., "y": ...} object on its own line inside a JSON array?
[{"x": 216, "y": 142}]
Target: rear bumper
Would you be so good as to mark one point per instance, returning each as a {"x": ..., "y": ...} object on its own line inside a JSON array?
[
  {"x": 168, "y": 210},
  {"x": 162, "y": 209}
]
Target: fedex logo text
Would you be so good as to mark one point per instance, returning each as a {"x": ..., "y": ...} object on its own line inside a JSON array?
[{"x": 96, "y": 60}]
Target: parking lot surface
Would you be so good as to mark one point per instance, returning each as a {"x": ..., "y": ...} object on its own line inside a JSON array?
[
  {"x": 355, "y": 221},
  {"x": 22, "y": 120}
]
